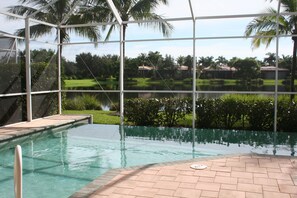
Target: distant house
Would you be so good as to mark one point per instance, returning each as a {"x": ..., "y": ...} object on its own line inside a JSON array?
[
  {"x": 222, "y": 71},
  {"x": 145, "y": 68},
  {"x": 145, "y": 71},
  {"x": 268, "y": 72},
  {"x": 184, "y": 72},
  {"x": 183, "y": 68}
]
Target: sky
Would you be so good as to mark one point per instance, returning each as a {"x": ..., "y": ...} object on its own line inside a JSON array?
[{"x": 182, "y": 29}]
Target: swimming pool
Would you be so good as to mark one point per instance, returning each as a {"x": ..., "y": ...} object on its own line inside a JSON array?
[{"x": 58, "y": 163}]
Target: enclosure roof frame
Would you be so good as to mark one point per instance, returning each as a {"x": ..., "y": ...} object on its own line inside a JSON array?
[{"x": 115, "y": 12}]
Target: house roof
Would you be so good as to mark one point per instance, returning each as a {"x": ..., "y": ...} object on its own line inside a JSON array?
[
  {"x": 220, "y": 68},
  {"x": 143, "y": 68},
  {"x": 183, "y": 68},
  {"x": 272, "y": 68},
  {"x": 148, "y": 68}
]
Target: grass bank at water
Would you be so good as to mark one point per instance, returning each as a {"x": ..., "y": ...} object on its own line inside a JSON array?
[
  {"x": 145, "y": 82},
  {"x": 111, "y": 117},
  {"x": 99, "y": 117}
]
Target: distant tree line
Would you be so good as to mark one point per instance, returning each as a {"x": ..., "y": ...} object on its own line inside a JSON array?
[{"x": 87, "y": 65}]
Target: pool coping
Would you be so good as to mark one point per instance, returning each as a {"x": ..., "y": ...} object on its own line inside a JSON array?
[
  {"x": 104, "y": 180},
  {"x": 21, "y": 129}
]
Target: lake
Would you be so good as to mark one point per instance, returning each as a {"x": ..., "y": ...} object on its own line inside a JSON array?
[{"x": 107, "y": 99}]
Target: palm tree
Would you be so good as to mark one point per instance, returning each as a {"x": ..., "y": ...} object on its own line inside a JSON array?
[
  {"x": 131, "y": 10},
  {"x": 221, "y": 60},
  {"x": 270, "y": 60},
  {"x": 266, "y": 26},
  {"x": 60, "y": 13},
  {"x": 180, "y": 60},
  {"x": 206, "y": 61}
]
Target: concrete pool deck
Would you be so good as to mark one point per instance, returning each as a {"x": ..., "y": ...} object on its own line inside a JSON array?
[
  {"x": 241, "y": 176},
  {"x": 24, "y": 128}
]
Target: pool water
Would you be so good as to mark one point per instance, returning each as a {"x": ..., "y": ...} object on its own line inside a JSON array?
[{"x": 59, "y": 163}]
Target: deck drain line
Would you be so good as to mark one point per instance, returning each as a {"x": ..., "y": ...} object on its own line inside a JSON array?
[{"x": 198, "y": 166}]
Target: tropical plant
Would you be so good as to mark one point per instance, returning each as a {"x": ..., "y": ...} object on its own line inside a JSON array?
[
  {"x": 270, "y": 59},
  {"x": 136, "y": 10},
  {"x": 285, "y": 61},
  {"x": 180, "y": 60},
  {"x": 247, "y": 68},
  {"x": 206, "y": 61},
  {"x": 265, "y": 29},
  {"x": 142, "y": 57},
  {"x": 60, "y": 13},
  {"x": 221, "y": 60},
  {"x": 155, "y": 59},
  {"x": 143, "y": 112},
  {"x": 173, "y": 110},
  {"x": 188, "y": 62}
]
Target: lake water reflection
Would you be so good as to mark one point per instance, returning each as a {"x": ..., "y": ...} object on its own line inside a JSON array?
[
  {"x": 187, "y": 86},
  {"x": 107, "y": 98}
]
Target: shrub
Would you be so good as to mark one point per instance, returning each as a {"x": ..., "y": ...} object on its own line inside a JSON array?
[
  {"x": 241, "y": 107},
  {"x": 228, "y": 111},
  {"x": 90, "y": 102},
  {"x": 84, "y": 102},
  {"x": 173, "y": 110},
  {"x": 144, "y": 112},
  {"x": 261, "y": 114},
  {"x": 74, "y": 104},
  {"x": 287, "y": 113},
  {"x": 206, "y": 111},
  {"x": 115, "y": 107}
]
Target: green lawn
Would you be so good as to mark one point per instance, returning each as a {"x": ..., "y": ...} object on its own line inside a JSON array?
[
  {"x": 110, "y": 117},
  {"x": 144, "y": 82},
  {"x": 271, "y": 82},
  {"x": 80, "y": 83},
  {"x": 99, "y": 117},
  {"x": 88, "y": 82}
]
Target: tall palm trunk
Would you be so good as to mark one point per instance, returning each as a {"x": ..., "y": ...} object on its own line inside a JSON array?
[
  {"x": 62, "y": 38},
  {"x": 293, "y": 67}
]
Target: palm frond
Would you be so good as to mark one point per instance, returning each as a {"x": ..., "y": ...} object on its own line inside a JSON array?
[
  {"x": 262, "y": 23},
  {"x": 289, "y": 5},
  {"x": 56, "y": 13},
  {"x": 160, "y": 24},
  {"x": 90, "y": 32},
  {"x": 26, "y": 11},
  {"x": 21, "y": 10},
  {"x": 35, "y": 31},
  {"x": 112, "y": 27},
  {"x": 263, "y": 37},
  {"x": 39, "y": 3},
  {"x": 142, "y": 7},
  {"x": 144, "y": 10},
  {"x": 99, "y": 13},
  {"x": 265, "y": 27}
]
